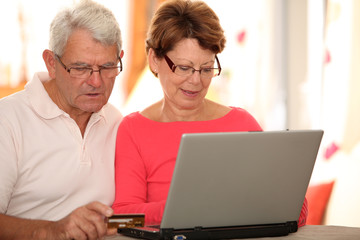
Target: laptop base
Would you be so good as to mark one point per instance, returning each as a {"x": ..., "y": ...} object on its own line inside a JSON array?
[{"x": 237, "y": 232}]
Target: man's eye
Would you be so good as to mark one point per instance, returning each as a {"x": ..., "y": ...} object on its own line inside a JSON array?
[
  {"x": 107, "y": 68},
  {"x": 79, "y": 70}
]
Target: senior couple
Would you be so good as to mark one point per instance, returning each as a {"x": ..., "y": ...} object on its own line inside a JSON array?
[{"x": 59, "y": 137}]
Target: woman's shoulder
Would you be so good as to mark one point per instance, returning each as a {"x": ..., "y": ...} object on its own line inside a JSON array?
[
  {"x": 132, "y": 119},
  {"x": 242, "y": 116},
  {"x": 132, "y": 116},
  {"x": 135, "y": 124},
  {"x": 221, "y": 111},
  {"x": 151, "y": 112},
  {"x": 216, "y": 110},
  {"x": 239, "y": 111},
  {"x": 139, "y": 118}
]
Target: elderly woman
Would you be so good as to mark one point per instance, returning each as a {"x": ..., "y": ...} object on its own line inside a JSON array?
[{"x": 182, "y": 46}]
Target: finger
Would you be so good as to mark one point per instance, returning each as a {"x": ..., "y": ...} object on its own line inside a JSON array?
[
  {"x": 111, "y": 231},
  {"x": 77, "y": 234},
  {"x": 87, "y": 226},
  {"x": 67, "y": 228},
  {"x": 92, "y": 223},
  {"x": 90, "y": 219},
  {"x": 97, "y": 221},
  {"x": 100, "y": 208}
]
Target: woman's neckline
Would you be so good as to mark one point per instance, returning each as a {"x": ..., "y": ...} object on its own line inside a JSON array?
[{"x": 196, "y": 121}]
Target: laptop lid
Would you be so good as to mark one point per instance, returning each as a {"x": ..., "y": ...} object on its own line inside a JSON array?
[
  {"x": 237, "y": 185},
  {"x": 240, "y": 178}
]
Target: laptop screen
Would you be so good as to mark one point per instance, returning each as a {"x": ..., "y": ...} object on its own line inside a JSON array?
[{"x": 240, "y": 178}]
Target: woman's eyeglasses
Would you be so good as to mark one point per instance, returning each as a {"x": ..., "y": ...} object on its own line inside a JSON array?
[{"x": 186, "y": 71}]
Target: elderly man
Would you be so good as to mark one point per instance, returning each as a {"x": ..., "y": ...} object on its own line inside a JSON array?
[{"x": 57, "y": 137}]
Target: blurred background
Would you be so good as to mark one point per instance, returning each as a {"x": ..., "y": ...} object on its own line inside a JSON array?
[{"x": 293, "y": 64}]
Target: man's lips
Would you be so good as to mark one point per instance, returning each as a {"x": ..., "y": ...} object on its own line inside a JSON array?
[{"x": 92, "y": 94}]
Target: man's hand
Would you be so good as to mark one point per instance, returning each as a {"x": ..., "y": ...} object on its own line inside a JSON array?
[{"x": 86, "y": 222}]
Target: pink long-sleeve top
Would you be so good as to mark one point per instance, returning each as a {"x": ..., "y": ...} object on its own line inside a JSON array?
[{"x": 145, "y": 158}]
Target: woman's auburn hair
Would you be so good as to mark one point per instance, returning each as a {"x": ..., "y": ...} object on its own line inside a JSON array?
[{"x": 179, "y": 19}]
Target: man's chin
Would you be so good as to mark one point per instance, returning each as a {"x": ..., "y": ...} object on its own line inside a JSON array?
[
  {"x": 92, "y": 108},
  {"x": 92, "y": 105}
]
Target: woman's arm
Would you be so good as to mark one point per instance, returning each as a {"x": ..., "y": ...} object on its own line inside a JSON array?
[
  {"x": 131, "y": 186},
  {"x": 303, "y": 214}
]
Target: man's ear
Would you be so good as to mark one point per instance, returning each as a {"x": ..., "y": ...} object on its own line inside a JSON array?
[
  {"x": 122, "y": 54},
  {"x": 153, "y": 61},
  {"x": 49, "y": 59}
]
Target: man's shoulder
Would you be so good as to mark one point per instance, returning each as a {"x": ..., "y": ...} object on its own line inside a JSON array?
[
  {"x": 111, "y": 113},
  {"x": 112, "y": 110},
  {"x": 13, "y": 101}
]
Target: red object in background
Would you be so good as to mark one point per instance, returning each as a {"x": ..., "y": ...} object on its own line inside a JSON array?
[
  {"x": 318, "y": 197},
  {"x": 327, "y": 57},
  {"x": 241, "y": 37},
  {"x": 330, "y": 150}
]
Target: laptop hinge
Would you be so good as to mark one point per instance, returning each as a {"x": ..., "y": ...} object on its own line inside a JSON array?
[
  {"x": 198, "y": 228},
  {"x": 293, "y": 226}
]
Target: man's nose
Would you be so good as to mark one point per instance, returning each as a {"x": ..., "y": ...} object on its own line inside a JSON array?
[{"x": 95, "y": 78}]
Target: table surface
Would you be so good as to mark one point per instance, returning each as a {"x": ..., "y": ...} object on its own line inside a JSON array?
[{"x": 308, "y": 232}]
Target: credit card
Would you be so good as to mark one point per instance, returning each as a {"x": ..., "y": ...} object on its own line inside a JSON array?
[{"x": 126, "y": 220}]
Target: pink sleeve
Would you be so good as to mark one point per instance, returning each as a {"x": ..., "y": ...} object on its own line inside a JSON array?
[
  {"x": 130, "y": 179},
  {"x": 303, "y": 214}
]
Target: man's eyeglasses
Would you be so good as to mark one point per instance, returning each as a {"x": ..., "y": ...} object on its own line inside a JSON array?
[
  {"x": 85, "y": 72},
  {"x": 186, "y": 71}
]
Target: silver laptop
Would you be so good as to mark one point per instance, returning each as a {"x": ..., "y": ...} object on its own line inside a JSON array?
[{"x": 237, "y": 185}]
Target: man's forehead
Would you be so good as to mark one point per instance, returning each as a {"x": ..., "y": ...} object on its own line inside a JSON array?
[{"x": 82, "y": 40}]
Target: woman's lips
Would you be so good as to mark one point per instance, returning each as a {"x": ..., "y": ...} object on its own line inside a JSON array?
[{"x": 190, "y": 93}]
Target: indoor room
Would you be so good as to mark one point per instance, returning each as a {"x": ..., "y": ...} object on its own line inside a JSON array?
[{"x": 291, "y": 64}]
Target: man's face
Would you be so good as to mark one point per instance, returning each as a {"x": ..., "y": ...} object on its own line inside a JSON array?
[{"x": 78, "y": 95}]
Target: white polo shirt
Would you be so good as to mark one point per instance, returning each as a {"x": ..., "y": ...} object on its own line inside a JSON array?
[{"x": 47, "y": 169}]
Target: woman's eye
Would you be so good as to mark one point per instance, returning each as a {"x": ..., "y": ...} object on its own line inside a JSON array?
[
  {"x": 207, "y": 70},
  {"x": 184, "y": 68}
]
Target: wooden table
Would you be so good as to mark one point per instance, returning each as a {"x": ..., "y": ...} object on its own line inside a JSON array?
[{"x": 308, "y": 232}]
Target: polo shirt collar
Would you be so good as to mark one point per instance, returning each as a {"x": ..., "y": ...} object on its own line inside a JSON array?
[{"x": 41, "y": 101}]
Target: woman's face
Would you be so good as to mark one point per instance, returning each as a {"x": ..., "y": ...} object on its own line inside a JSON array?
[{"x": 185, "y": 92}]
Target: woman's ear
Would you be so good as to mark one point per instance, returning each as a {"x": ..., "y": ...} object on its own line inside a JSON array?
[
  {"x": 153, "y": 62},
  {"x": 49, "y": 59}
]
